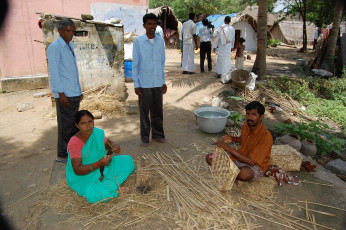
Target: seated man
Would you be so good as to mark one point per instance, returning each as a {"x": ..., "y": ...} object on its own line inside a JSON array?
[{"x": 253, "y": 156}]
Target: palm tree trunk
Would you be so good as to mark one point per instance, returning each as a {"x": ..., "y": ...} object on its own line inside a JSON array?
[
  {"x": 328, "y": 59},
  {"x": 259, "y": 66}
]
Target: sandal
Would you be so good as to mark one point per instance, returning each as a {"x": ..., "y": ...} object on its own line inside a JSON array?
[{"x": 62, "y": 160}]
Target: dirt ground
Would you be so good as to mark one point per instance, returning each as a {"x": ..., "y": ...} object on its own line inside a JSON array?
[{"x": 28, "y": 141}]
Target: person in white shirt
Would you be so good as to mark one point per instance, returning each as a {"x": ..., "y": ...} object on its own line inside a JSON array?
[
  {"x": 159, "y": 30},
  {"x": 205, "y": 34},
  {"x": 188, "y": 32},
  {"x": 316, "y": 35},
  {"x": 224, "y": 42}
]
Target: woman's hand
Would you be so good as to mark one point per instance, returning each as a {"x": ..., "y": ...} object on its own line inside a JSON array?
[
  {"x": 116, "y": 148},
  {"x": 104, "y": 161}
]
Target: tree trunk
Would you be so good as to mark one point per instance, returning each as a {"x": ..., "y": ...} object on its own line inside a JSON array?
[
  {"x": 305, "y": 38},
  {"x": 260, "y": 63},
  {"x": 328, "y": 59}
]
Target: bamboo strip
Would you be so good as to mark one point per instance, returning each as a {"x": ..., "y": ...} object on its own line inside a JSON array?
[
  {"x": 324, "y": 205},
  {"x": 20, "y": 200},
  {"x": 288, "y": 215},
  {"x": 320, "y": 212}
]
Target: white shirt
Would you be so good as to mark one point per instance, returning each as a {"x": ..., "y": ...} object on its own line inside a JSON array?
[
  {"x": 205, "y": 34},
  {"x": 226, "y": 35},
  {"x": 188, "y": 29}
]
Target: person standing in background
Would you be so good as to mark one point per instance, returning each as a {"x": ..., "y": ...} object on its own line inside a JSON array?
[
  {"x": 148, "y": 74},
  {"x": 316, "y": 35},
  {"x": 205, "y": 34},
  {"x": 239, "y": 61},
  {"x": 64, "y": 81},
  {"x": 189, "y": 37},
  {"x": 159, "y": 30},
  {"x": 225, "y": 43}
]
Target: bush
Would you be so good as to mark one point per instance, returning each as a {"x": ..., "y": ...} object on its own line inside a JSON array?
[
  {"x": 321, "y": 97},
  {"x": 273, "y": 42},
  {"x": 314, "y": 131}
]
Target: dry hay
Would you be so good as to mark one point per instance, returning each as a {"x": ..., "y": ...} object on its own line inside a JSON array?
[
  {"x": 179, "y": 198},
  {"x": 287, "y": 157},
  {"x": 261, "y": 189},
  {"x": 107, "y": 104}
]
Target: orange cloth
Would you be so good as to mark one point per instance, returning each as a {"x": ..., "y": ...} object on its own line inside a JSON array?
[{"x": 257, "y": 145}]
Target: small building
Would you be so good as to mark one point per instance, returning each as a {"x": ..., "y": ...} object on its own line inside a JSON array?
[
  {"x": 22, "y": 57},
  {"x": 245, "y": 26},
  {"x": 291, "y": 32},
  {"x": 99, "y": 49}
]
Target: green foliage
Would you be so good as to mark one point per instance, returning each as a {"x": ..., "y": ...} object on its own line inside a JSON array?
[
  {"x": 273, "y": 42},
  {"x": 236, "y": 116},
  {"x": 314, "y": 131},
  {"x": 182, "y": 8},
  {"x": 322, "y": 98}
]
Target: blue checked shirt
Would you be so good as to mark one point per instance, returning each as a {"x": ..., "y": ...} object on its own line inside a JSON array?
[
  {"x": 148, "y": 62},
  {"x": 63, "y": 70}
]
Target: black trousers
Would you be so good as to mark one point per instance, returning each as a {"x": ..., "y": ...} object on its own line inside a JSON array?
[
  {"x": 66, "y": 126},
  {"x": 150, "y": 102},
  {"x": 205, "y": 48}
]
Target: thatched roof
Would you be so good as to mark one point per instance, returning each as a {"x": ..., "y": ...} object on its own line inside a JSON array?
[
  {"x": 293, "y": 31},
  {"x": 253, "y": 12},
  {"x": 241, "y": 17},
  {"x": 166, "y": 14}
]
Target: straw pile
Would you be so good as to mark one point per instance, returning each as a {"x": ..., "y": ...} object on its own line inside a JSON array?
[
  {"x": 107, "y": 104},
  {"x": 261, "y": 189},
  {"x": 179, "y": 197},
  {"x": 285, "y": 156}
]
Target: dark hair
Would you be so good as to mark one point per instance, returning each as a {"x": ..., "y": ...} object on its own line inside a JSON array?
[
  {"x": 227, "y": 19},
  {"x": 241, "y": 40},
  {"x": 80, "y": 114},
  {"x": 65, "y": 22},
  {"x": 148, "y": 17},
  {"x": 255, "y": 105},
  {"x": 205, "y": 22},
  {"x": 192, "y": 15}
]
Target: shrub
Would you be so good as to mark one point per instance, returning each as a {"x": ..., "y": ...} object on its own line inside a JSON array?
[
  {"x": 273, "y": 42},
  {"x": 314, "y": 131}
]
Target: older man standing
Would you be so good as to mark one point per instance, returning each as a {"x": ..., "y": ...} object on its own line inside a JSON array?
[
  {"x": 64, "y": 81},
  {"x": 225, "y": 43},
  {"x": 189, "y": 36}
]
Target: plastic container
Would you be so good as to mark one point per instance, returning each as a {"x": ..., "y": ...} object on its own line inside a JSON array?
[
  {"x": 211, "y": 119},
  {"x": 128, "y": 68}
]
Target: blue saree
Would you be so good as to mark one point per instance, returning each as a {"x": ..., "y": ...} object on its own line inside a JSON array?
[{"x": 89, "y": 185}]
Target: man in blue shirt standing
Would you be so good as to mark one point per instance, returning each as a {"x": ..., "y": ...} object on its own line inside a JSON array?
[
  {"x": 148, "y": 74},
  {"x": 64, "y": 81}
]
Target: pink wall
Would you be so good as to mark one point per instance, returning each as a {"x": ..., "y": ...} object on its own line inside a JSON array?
[{"x": 20, "y": 55}]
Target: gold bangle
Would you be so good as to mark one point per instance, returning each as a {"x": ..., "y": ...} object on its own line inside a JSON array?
[{"x": 91, "y": 167}]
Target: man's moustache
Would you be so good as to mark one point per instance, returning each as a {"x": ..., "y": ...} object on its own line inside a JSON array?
[{"x": 249, "y": 120}]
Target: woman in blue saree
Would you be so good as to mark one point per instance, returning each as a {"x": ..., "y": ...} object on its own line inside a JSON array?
[{"x": 89, "y": 170}]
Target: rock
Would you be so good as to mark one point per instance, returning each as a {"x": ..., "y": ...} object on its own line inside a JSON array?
[
  {"x": 40, "y": 94},
  {"x": 337, "y": 166},
  {"x": 132, "y": 109},
  {"x": 248, "y": 57},
  {"x": 322, "y": 72},
  {"x": 21, "y": 107},
  {"x": 87, "y": 16}
]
